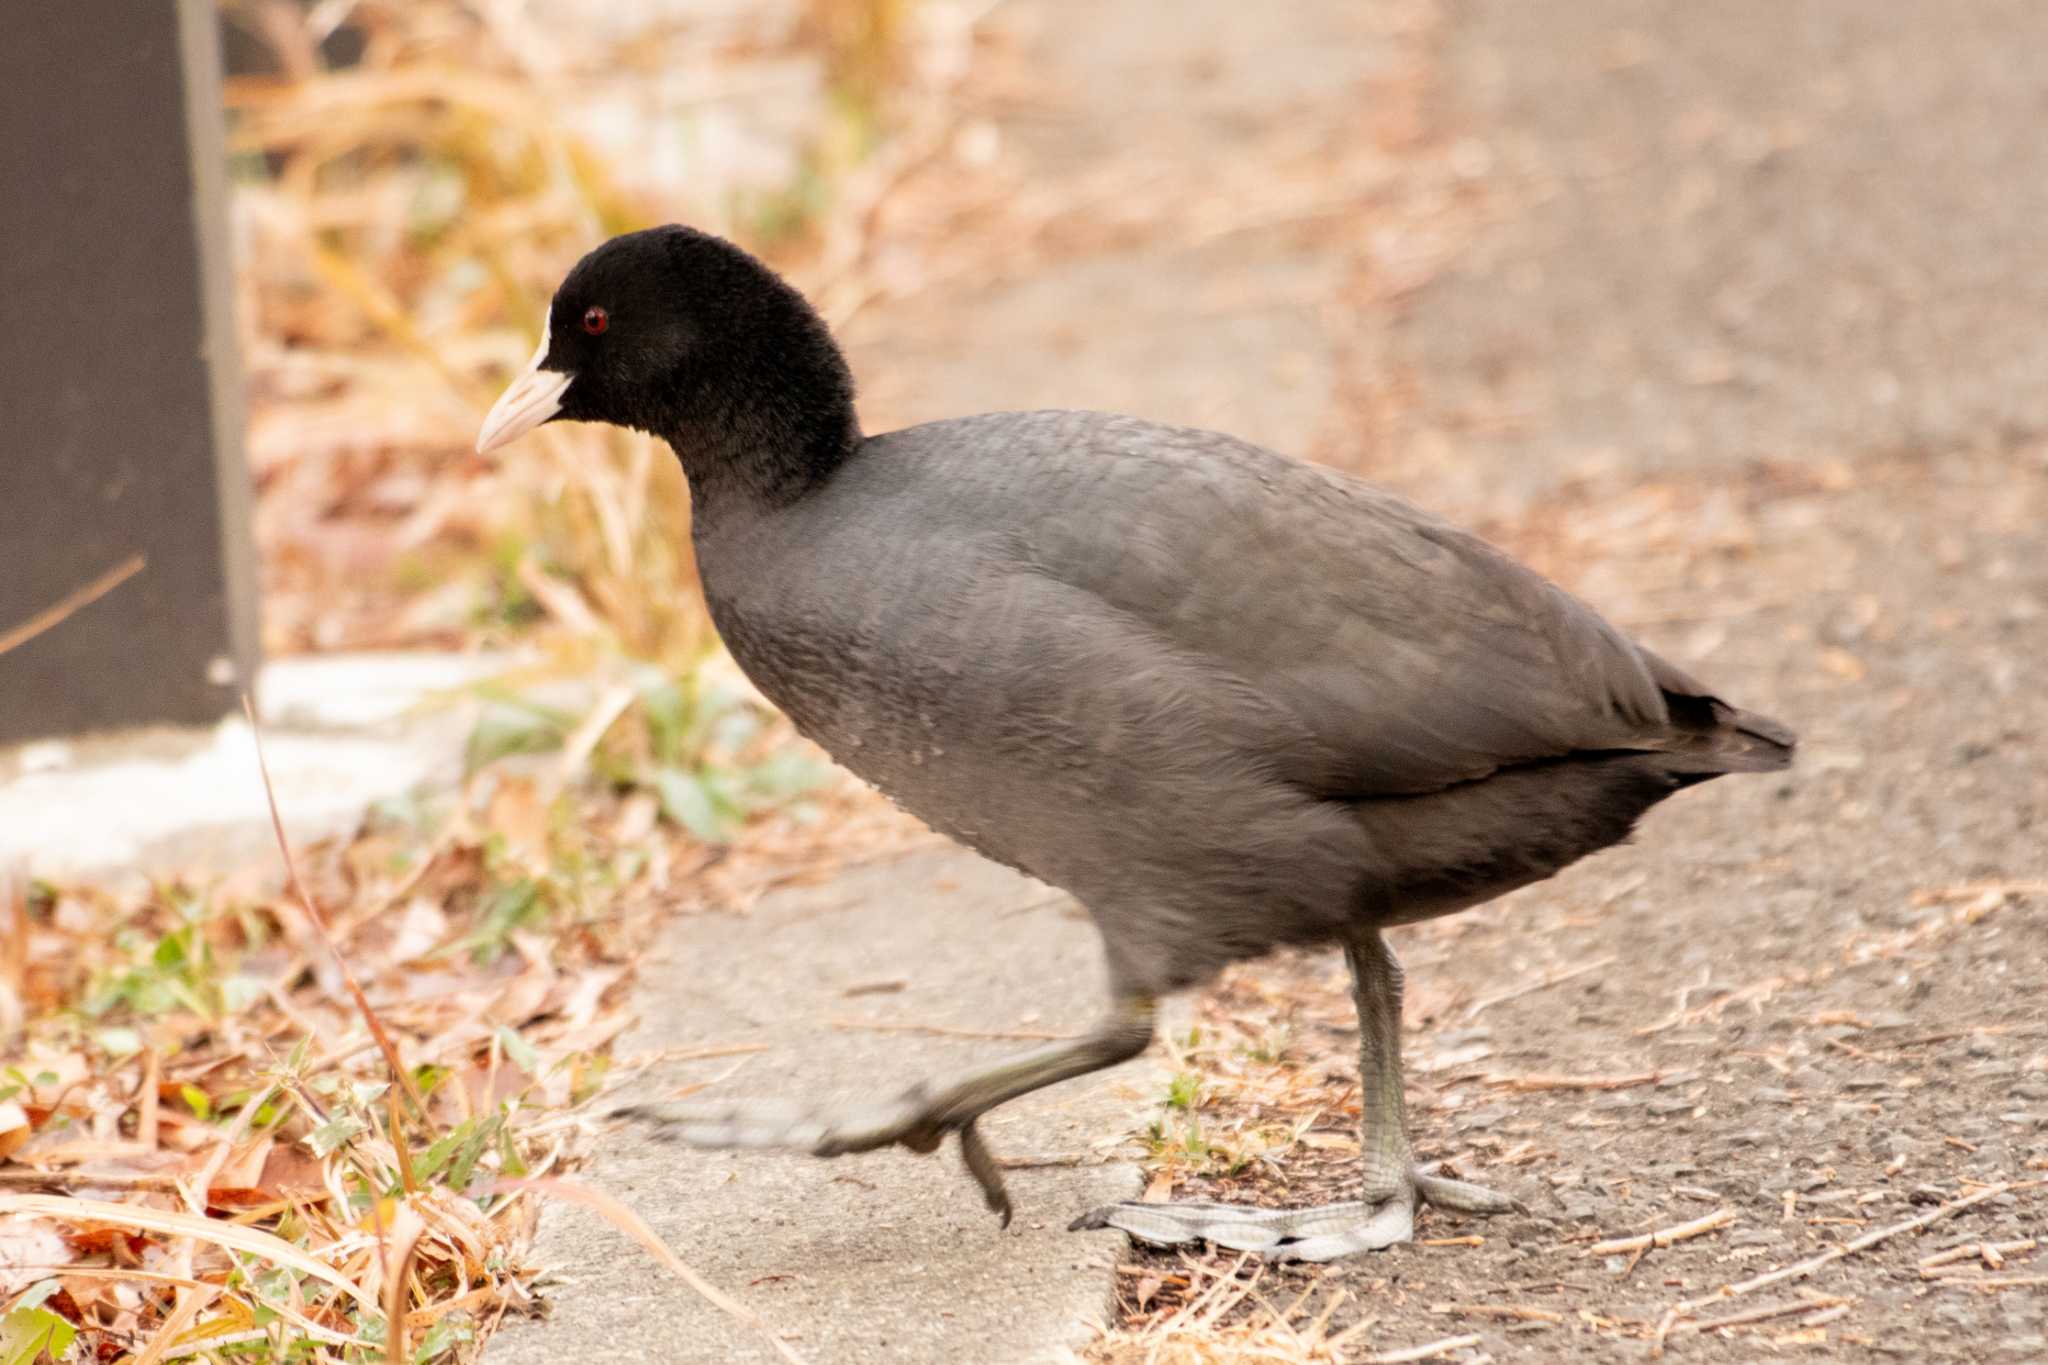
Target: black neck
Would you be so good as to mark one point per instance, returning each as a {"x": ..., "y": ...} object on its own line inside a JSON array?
[
  {"x": 766, "y": 414},
  {"x": 769, "y": 441}
]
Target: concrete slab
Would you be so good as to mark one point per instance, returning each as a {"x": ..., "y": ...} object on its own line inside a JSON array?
[
  {"x": 341, "y": 733},
  {"x": 881, "y": 1257}
]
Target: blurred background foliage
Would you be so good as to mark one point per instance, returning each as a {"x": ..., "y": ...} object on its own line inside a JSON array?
[{"x": 411, "y": 181}]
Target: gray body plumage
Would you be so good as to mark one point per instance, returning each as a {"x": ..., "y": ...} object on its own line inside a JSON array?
[{"x": 1229, "y": 700}]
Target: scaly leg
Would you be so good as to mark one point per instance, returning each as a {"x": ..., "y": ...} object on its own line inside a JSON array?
[
  {"x": 1385, "y": 1214},
  {"x": 919, "y": 1118}
]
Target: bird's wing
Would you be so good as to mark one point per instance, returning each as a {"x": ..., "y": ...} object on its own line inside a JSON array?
[{"x": 1411, "y": 655}]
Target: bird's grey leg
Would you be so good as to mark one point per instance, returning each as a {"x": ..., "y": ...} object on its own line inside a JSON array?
[
  {"x": 1385, "y": 1212},
  {"x": 920, "y": 1117}
]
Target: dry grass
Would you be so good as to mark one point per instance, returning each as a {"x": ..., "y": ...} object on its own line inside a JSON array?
[
  {"x": 242, "y": 1124},
  {"x": 238, "y": 1124},
  {"x": 401, "y": 225},
  {"x": 231, "y": 1159},
  {"x": 1229, "y": 1315},
  {"x": 1223, "y": 1314}
]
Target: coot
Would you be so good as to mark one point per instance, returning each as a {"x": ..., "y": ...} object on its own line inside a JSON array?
[{"x": 1227, "y": 699}]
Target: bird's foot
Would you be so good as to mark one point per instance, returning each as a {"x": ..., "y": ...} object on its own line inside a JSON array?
[
  {"x": 1324, "y": 1233},
  {"x": 910, "y": 1120}
]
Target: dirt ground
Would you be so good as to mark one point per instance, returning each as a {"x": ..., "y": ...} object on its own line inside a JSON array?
[{"x": 1724, "y": 317}]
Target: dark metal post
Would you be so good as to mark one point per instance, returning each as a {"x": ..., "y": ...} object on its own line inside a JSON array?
[{"x": 120, "y": 403}]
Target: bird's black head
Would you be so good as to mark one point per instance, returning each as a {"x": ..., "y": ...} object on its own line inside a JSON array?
[{"x": 678, "y": 333}]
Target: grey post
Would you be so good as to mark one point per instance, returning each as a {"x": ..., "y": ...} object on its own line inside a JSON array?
[{"x": 120, "y": 404}]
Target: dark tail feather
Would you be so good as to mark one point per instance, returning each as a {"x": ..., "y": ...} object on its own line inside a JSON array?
[
  {"x": 1737, "y": 741},
  {"x": 1713, "y": 737}
]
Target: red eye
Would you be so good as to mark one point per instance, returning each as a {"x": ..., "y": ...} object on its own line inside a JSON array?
[{"x": 595, "y": 320}]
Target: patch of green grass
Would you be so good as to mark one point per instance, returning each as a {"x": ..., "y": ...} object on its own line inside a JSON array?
[
  {"x": 177, "y": 969},
  {"x": 706, "y": 750},
  {"x": 507, "y": 602},
  {"x": 31, "y": 1333},
  {"x": 1271, "y": 1045}
]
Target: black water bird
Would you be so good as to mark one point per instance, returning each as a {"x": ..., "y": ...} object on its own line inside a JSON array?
[{"x": 1227, "y": 699}]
